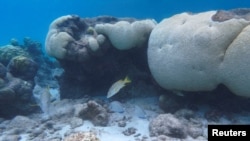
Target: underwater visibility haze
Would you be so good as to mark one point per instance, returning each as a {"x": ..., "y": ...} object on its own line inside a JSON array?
[
  {"x": 130, "y": 70},
  {"x": 32, "y": 17}
]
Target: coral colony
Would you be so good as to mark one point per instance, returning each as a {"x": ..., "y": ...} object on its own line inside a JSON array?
[{"x": 118, "y": 79}]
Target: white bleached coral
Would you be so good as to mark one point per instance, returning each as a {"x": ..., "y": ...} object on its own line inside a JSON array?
[
  {"x": 235, "y": 67},
  {"x": 93, "y": 44},
  {"x": 72, "y": 38},
  {"x": 56, "y": 41},
  {"x": 124, "y": 35},
  {"x": 194, "y": 53}
]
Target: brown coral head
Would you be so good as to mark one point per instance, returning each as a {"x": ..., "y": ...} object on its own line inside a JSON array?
[{"x": 240, "y": 13}]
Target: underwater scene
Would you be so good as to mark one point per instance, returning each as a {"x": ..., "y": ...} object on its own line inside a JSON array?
[{"x": 131, "y": 70}]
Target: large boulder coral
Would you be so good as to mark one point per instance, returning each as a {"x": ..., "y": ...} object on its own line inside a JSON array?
[
  {"x": 75, "y": 44},
  {"x": 59, "y": 37},
  {"x": 72, "y": 38},
  {"x": 87, "y": 55},
  {"x": 124, "y": 35},
  {"x": 197, "y": 52},
  {"x": 235, "y": 67}
]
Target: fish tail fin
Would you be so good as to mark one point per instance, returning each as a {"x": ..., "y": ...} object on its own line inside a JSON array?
[{"x": 127, "y": 80}]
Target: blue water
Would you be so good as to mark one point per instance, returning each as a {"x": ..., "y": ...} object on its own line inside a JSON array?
[{"x": 31, "y": 18}]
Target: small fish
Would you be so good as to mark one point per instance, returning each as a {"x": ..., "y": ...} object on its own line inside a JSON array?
[
  {"x": 45, "y": 100},
  {"x": 115, "y": 88}
]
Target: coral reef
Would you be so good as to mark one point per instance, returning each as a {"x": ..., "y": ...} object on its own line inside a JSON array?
[
  {"x": 34, "y": 48},
  {"x": 124, "y": 35},
  {"x": 23, "y": 67},
  {"x": 191, "y": 52},
  {"x": 71, "y": 38},
  {"x": 18, "y": 71},
  {"x": 9, "y": 51},
  {"x": 81, "y": 136},
  {"x": 169, "y": 125},
  {"x": 94, "y": 112},
  {"x": 88, "y": 58},
  {"x": 179, "y": 126},
  {"x": 15, "y": 96},
  {"x": 195, "y": 57},
  {"x": 14, "y": 42},
  {"x": 3, "y": 71},
  {"x": 223, "y": 15}
]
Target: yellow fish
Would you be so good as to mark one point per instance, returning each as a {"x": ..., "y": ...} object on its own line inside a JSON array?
[{"x": 115, "y": 88}]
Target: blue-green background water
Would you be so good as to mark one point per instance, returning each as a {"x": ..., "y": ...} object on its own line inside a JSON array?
[{"x": 31, "y": 18}]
